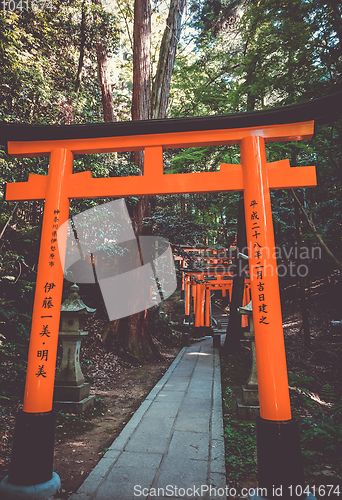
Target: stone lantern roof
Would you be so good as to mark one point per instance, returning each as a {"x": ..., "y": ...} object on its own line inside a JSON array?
[
  {"x": 247, "y": 309},
  {"x": 74, "y": 304}
]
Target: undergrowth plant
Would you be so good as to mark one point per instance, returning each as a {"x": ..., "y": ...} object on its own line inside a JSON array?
[
  {"x": 74, "y": 424},
  {"x": 240, "y": 449},
  {"x": 317, "y": 407},
  {"x": 319, "y": 412},
  {"x": 15, "y": 319},
  {"x": 240, "y": 437}
]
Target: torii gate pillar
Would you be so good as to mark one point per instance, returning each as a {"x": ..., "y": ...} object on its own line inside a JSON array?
[{"x": 278, "y": 446}]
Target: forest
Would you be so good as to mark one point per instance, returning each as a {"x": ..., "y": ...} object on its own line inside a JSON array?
[{"x": 89, "y": 61}]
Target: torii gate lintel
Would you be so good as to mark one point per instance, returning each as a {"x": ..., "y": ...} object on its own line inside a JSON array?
[{"x": 154, "y": 181}]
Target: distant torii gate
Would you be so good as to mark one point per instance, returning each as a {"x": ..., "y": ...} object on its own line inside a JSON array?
[
  {"x": 31, "y": 456},
  {"x": 198, "y": 284}
]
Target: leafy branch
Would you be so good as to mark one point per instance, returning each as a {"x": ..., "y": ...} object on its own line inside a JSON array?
[{"x": 316, "y": 234}]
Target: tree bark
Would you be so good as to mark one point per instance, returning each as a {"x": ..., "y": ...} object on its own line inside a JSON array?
[
  {"x": 82, "y": 50},
  {"x": 141, "y": 99},
  {"x": 166, "y": 61},
  {"x": 234, "y": 330},
  {"x": 317, "y": 235},
  {"x": 302, "y": 284},
  {"x": 106, "y": 88},
  {"x": 134, "y": 331}
]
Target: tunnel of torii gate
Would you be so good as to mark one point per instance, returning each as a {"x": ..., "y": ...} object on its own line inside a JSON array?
[
  {"x": 197, "y": 294},
  {"x": 217, "y": 273},
  {"x": 277, "y": 437}
]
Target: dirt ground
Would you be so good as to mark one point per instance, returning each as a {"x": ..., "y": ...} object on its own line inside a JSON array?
[{"x": 75, "y": 457}]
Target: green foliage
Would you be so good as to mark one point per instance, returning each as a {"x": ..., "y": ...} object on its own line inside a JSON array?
[
  {"x": 316, "y": 406},
  {"x": 323, "y": 434},
  {"x": 246, "y": 56},
  {"x": 240, "y": 437},
  {"x": 39, "y": 51},
  {"x": 71, "y": 425},
  {"x": 262, "y": 55},
  {"x": 16, "y": 301},
  {"x": 160, "y": 328},
  {"x": 240, "y": 449},
  {"x": 300, "y": 377},
  {"x": 319, "y": 411},
  {"x": 195, "y": 219}
]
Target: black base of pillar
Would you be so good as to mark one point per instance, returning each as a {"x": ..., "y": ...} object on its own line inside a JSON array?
[
  {"x": 280, "y": 468},
  {"x": 187, "y": 323},
  {"x": 185, "y": 341},
  {"x": 198, "y": 332},
  {"x": 217, "y": 341},
  {"x": 41, "y": 491},
  {"x": 225, "y": 302},
  {"x": 33, "y": 446}
]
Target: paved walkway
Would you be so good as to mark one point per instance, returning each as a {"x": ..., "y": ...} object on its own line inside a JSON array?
[{"x": 173, "y": 445}]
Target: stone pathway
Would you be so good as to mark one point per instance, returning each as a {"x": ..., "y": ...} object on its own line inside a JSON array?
[{"x": 173, "y": 446}]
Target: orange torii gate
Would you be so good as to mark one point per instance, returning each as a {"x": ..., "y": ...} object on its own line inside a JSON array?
[
  {"x": 209, "y": 259},
  {"x": 278, "y": 440},
  {"x": 204, "y": 275},
  {"x": 225, "y": 284},
  {"x": 197, "y": 285}
]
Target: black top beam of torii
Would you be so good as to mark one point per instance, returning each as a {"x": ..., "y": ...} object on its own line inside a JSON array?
[{"x": 322, "y": 110}]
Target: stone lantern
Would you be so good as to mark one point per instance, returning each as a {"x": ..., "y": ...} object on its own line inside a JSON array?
[
  {"x": 71, "y": 393},
  {"x": 248, "y": 408}
]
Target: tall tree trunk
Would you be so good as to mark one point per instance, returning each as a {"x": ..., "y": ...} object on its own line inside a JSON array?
[
  {"x": 183, "y": 205},
  {"x": 106, "y": 88},
  {"x": 301, "y": 279},
  {"x": 234, "y": 330},
  {"x": 317, "y": 235},
  {"x": 82, "y": 50},
  {"x": 135, "y": 329},
  {"x": 135, "y": 335},
  {"x": 166, "y": 61},
  {"x": 302, "y": 284},
  {"x": 141, "y": 99}
]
